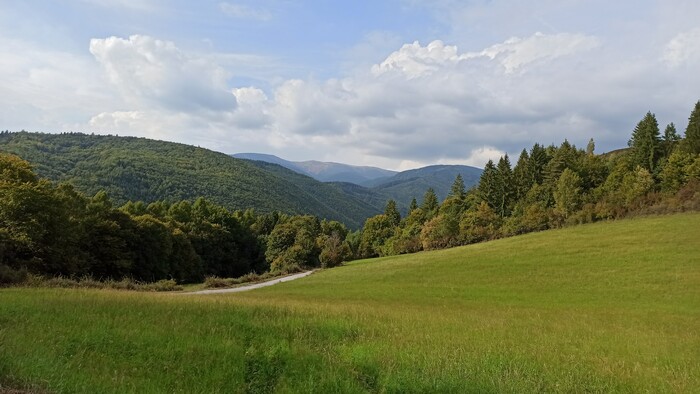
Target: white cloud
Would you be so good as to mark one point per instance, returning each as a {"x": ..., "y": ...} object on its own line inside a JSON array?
[
  {"x": 245, "y": 12},
  {"x": 154, "y": 72},
  {"x": 683, "y": 48}
]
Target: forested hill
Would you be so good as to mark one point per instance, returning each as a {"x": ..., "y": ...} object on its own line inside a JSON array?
[{"x": 130, "y": 168}]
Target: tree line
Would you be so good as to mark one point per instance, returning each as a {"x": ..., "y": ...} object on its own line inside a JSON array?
[
  {"x": 51, "y": 229},
  {"x": 550, "y": 187}
]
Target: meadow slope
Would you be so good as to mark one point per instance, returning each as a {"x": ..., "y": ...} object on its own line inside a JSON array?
[{"x": 607, "y": 307}]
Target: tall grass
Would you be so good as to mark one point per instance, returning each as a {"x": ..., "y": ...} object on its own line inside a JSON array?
[{"x": 610, "y": 307}]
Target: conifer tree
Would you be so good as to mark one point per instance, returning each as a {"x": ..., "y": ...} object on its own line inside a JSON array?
[
  {"x": 670, "y": 139},
  {"x": 392, "y": 213},
  {"x": 413, "y": 206},
  {"x": 537, "y": 163},
  {"x": 458, "y": 190},
  {"x": 645, "y": 143},
  {"x": 430, "y": 202},
  {"x": 487, "y": 184},
  {"x": 504, "y": 187},
  {"x": 692, "y": 132},
  {"x": 522, "y": 178}
]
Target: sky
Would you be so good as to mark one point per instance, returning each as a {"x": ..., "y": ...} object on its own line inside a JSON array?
[{"x": 397, "y": 84}]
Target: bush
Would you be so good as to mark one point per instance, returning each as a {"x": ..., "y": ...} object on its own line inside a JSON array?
[{"x": 9, "y": 276}]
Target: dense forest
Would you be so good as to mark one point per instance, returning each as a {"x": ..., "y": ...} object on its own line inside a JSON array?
[
  {"x": 550, "y": 187},
  {"x": 140, "y": 169},
  {"x": 52, "y": 229}
]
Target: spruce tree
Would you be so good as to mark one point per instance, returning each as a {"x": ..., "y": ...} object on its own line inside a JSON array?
[
  {"x": 487, "y": 184},
  {"x": 504, "y": 187},
  {"x": 692, "y": 132},
  {"x": 392, "y": 213},
  {"x": 413, "y": 206},
  {"x": 430, "y": 202},
  {"x": 522, "y": 178},
  {"x": 458, "y": 190},
  {"x": 670, "y": 139},
  {"x": 538, "y": 162},
  {"x": 645, "y": 143}
]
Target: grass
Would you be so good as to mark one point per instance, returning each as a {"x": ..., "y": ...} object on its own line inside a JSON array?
[{"x": 608, "y": 307}]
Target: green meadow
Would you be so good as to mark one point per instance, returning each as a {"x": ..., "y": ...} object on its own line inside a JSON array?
[{"x": 606, "y": 307}]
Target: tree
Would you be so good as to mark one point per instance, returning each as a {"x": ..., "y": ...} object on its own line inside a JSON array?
[
  {"x": 487, "y": 189},
  {"x": 440, "y": 232},
  {"x": 478, "y": 224},
  {"x": 522, "y": 179},
  {"x": 413, "y": 206},
  {"x": 590, "y": 148},
  {"x": 504, "y": 187},
  {"x": 375, "y": 232},
  {"x": 392, "y": 212},
  {"x": 692, "y": 132},
  {"x": 567, "y": 194},
  {"x": 645, "y": 143},
  {"x": 537, "y": 163},
  {"x": 458, "y": 190},
  {"x": 670, "y": 139},
  {"x": 430, "y": 203}
]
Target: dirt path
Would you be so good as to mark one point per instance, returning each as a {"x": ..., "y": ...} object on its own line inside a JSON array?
[{"x": 253, "y": 286}]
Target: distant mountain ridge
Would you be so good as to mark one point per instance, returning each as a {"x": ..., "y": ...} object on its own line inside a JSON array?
[
  {"x": 324, "y": 171},
  {"x": 375, "y": 185},
  {"x": 130, "y": 168}
]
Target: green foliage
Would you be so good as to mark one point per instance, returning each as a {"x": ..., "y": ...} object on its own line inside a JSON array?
[
  {"x": 440, "y": 232},
  {"x": 645, "y": 143},
  {"x": 392, "y": 212},
  {"x": 692, "y": 132},
  {"x": 375, "y": 233},
  {"x": 537, "y": 313},
  {"x": 430, "y": 203},
  {"x": 458, "y": 189},
  {"x": 138, "y": 169},
  {"x": 567, "y": 194},
  {"x": 479, "y": 224}
]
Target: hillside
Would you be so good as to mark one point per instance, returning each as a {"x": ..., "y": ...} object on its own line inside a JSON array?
[
  {"x": 375, "y": 185},
  {"x": 131, "y": 168},
  {"x": 607, "y": 307},
  {"x": 324, "y": 171},
  {"x": 413, "y": 183}
]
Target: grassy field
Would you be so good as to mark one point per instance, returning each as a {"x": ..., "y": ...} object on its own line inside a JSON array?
[{"x": 610, "y": 307}]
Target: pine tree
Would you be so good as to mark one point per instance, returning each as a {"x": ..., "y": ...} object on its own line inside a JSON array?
[
  {"x": 458, "y": 190},
  {"x": 670, "y": 139},
  {"x": 413, "y": 206},
  {"x": 692, "y": 132},
  {"x": 392, "y": 213},
  {"x": 504, "y": 187},
  {"x": 538, "y": 162},
  {"x": 645, "y": 143},
  {"x": 430, "y": 202},
  {"x": 522, "y": 178},
  {"x": 487, "y": 184}
]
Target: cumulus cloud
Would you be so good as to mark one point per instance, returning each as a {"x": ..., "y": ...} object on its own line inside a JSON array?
[
  {"x": 683, "y": 48},
  {"x": 156, "y": 72}
]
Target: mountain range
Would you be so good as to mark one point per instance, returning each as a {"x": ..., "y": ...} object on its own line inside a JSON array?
[
  {"x": 140, "y": 169},
  {"x": 324, "y": 171},
  {"x": 372, "y": 183}
]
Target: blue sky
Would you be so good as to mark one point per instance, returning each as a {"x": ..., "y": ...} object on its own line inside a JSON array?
[{"x": 397, "y": 84}]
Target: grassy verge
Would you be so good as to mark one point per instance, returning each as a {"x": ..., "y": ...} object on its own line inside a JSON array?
[{"x": 608, "y": 307}]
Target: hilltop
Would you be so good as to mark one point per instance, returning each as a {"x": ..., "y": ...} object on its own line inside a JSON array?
[{"x": 130, "y": 168}]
